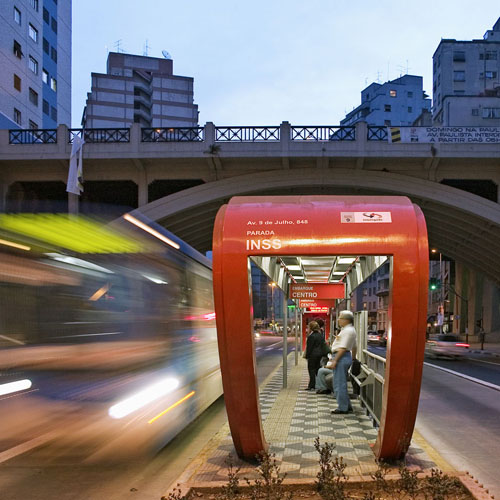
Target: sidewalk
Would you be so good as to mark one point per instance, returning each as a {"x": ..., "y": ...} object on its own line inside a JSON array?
[
  {"x": 292, "y": 419},
  {"x": 489, "y": 349}
]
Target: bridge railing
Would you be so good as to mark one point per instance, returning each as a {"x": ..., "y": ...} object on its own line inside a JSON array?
[
  {"x": 323, "y": 133},
  {"x": 100, "y": 135},
  {"x": 173, "y": 134},
  {"x": 247, "y": 134},
  {"x": 33, "y": 136},
  {"x": 376, "y": 133}
]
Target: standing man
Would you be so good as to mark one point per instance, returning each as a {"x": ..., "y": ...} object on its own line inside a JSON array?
[{"x": 344, "y": 344}]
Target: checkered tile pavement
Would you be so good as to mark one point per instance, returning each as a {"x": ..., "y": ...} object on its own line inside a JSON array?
[{"x": 292, "y": 419}]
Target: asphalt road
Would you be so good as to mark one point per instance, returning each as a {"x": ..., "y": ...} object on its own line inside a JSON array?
[
  {"x": 39, "y": 474},
  {"x": 460, "y": 416}
]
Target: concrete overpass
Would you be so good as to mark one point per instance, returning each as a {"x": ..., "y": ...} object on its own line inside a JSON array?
[{"x": 220, "y": 162}]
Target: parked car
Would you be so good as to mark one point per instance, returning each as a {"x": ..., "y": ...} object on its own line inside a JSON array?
[
  {"x": 378, "y": 337},
  {"x": 445, "y": 346}
]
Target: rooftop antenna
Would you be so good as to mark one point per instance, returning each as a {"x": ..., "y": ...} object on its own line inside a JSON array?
[
  {"x": 166, "y": 54},
  {"x": 379, "y": 74},
  {"x": 118, "y": 46},
  {"x": 388, "y": 62},
  {"x": 146, "y": 49}
]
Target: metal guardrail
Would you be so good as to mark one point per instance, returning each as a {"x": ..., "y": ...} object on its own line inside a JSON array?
[
  {"x": 173, "y": 134},
  {"x": 33, "y": 136},
  {"x": 377, "y": 133},
  {"x": 320, "y": 133},
  {"x": 247, "y": 134},
  {"x": 100, "y": 135},
  {"x": 371, "y": 384}
]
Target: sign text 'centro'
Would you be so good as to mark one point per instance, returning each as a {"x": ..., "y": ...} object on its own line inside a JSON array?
[{"x": 317, "y": 291}]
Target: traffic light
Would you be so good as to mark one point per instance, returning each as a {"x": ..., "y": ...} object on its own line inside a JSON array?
[{"x": 434, "y": 284}]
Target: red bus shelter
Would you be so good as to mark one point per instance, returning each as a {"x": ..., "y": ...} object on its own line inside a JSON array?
[{"x": 321, "y": 225}]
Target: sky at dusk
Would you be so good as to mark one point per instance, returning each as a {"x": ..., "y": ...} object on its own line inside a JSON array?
[{"x": 263, "y": 62}]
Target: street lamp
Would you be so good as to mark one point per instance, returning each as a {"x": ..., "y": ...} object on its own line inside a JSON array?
[{"x": 272, "y": 285}]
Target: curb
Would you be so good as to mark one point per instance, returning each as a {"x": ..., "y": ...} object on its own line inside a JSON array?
[{"x": 210, "y": 447}]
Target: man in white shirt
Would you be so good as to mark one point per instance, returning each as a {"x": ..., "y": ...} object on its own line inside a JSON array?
[{"x": 342, "y": 347}]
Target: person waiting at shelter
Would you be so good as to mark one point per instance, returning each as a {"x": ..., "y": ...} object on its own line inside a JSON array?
[
  {"x": 314, "y": 353},
  {"x": 342, "y": 347}
]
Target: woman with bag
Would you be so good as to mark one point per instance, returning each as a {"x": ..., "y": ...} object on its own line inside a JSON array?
[{"x": 314, "y": 353}]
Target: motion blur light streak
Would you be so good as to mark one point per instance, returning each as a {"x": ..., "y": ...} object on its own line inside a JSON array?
[
  {"x": 14, "y": 245},
  {"x": 97, "y": 295},
  {"x": 10, "y": 387},
  {"x": 66, "y": 259},
  {"x": 187, "y": 396},
  {"x": 142, "y": 398},
  {"x": 150, "y": 230},
  {"x": 158, "y": 281}
]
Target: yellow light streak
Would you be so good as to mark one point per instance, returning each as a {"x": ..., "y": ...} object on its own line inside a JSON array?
[
  {"x": 150, "y": 230},
  {"x": 187, "y": 396},
  {"x": 14, "y": 245},
  {"x": 97, "y": 295}
]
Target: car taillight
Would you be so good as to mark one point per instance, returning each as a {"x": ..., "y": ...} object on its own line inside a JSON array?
[{"x": 461, "y": 344}]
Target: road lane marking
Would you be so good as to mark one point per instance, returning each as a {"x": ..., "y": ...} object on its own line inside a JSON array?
[
  {"x": 481, "y": 361},
  {"x": 27, "y": 446},
  {"x": 467, "y": 377}
]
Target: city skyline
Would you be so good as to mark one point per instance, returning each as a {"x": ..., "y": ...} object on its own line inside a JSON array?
[{"x": 250, "y": 66}]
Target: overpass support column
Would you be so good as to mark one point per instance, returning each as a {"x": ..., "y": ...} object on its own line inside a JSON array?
[
  {"x": 458, "y": 306},
  {"x": 488, "y": 306},
  {"x": 471, "y": 303}
]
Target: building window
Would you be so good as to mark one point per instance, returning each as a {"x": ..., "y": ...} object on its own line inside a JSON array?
[
  {"x": 490, "y": 74},
  {"x": 491, "y": 113},
  {"x": 45, "y": 76},
  {"x": 45, "y": 107},
  {"x": 17, "y": 82},
  {"x": 53, "y": 54},
  {"x": 459, "y": 56},
  {"x": 17, "y": 49},
  {"x": 17, "y": 116},
  {"x": 53, "y": 24},
  {"x": 53, "y": 84},
  {"x": 34, "y": 4},
  {"x": 33, "y": 33},
  {"x": 410, "y": 109},
  {"x": 393, "y": 93},
  {"x": 46, "y": 15},
  {"x": 475, "y": 112},
  {"x": 17, "y": 16},
  {"x": 53, "y": 113},
  {"x": 46, "y": 46},
  {"x": 33, "y": 125},
  {"x": 33, "y": 97},
  {"x": 459, "y": 76},
  {"x": 387, "y": 108},
  {"x": 488, "y": 55},
  {"x": 33, "y": 65},
  {"x": 410, "y": 94}
]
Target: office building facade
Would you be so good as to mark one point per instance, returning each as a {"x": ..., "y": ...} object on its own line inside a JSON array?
[
  {"x": 35, "y": 57},
  {"x": 398, "y": 103},
  {"x": 140, "y": 89},
  {"x": 466, "y": 81}
]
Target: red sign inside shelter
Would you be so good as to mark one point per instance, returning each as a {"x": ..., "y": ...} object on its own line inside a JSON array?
[
  {"x": 304, "y": 303},
  {"x": 317, "y": 291}
]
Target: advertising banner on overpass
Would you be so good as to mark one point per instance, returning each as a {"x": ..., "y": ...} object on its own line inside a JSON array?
[
  {"x": 317, "y": 291},
  {"x": 452, "y": 135}
]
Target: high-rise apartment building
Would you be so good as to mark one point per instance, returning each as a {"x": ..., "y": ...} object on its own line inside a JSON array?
[
  {"x": 35, "y": 57},
  {"x": 398, "y": 102},
  {"x": 140, "y": 89},
  {"x": 466, "y": 81}
]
